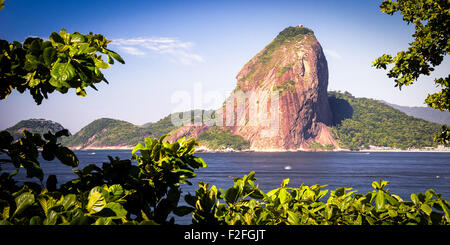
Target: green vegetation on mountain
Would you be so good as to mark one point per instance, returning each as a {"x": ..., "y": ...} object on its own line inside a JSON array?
[
  {"x": 220, "y": 138},
  {"x": 37, "y": 126},
  {"x": 288, "y": 34},
  {"x": 165, "y": 125},
  {"x": 361, "y": 122},
  {"x": 286, "y": 86},
  {"x": 283, "y": 71},
  {"x": 318, "y": 146},
  {"x": 107, "y": 132},
  {"x": 287, "y": 37},
  {"x": 215, "y": 138}
]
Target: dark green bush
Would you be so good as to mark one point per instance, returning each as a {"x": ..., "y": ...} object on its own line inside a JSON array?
[{"x": 117, "y": 193}]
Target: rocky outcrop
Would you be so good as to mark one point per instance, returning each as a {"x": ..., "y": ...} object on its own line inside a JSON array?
[{"x": 280, "y": 101}]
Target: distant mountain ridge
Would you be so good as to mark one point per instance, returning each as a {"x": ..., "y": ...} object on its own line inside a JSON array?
[
  {"x": 357, "y": 123},
  {"x": 425, "y": 113}
]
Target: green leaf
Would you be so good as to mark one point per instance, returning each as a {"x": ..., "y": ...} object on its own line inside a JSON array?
[
  {"x": 5, "y": 222},
  {"x": 63, "y": 132},
  {"x": 23, "y": 202},
  {"x": 414, "y": 198},
  {"x": 56, "y": 38},
  {"x": 81, "y": 92},
  {"x": 445, "y": 209},
  {"x": 63, "y": 72},
  {"x": 148, "y": 222},
  {"x": 48, "y": 151},
  {"x": 5, "y": 139},
  {"x": 117, "y": 208},
  {"x": 69, "y": 201},
  {"x": 49, "y": 55},
  {"x": 283, "y": 196},
  {"x": 6, "y": 208},
  {"x": 391, "y": 199},
  {"x": 231, "y": 195},
  {"x": 101, "y": 64},
  {"x": 426, "y": 208},
  {"x": 116, "y": 56},
  {"x": 190, "y": 199},
  {"x": 339, "y": 191},
  {"x": 200, "y": 163},
  {"x": 36, "y": 220},
  {"x": 33, "y": 169},
  {"x": 161, "y": 139},
  {"x": 52, "y": 218},
  {"x": 80, "y": 220},
  {"x": 96, "y": 202},
  {"x": 66, "y": 156},
  {"x": 329, "y": 212},
  {"x": 413, "y": 217},
  {"x": 379, "y": 200},
  {"x": 183, "y": 210},
  {"x": 392, "y": 213},
  {"x": 293, "y": 218},
  {"x": 34, "y": 82},
  {"x": 257, "y": 194},
  {"x": 186, "y": 173},
  {"x": 116, "y": 191},
  {"x": 77, "y": 38},
  {"x": 35, "y": 46},
  {"x": 272, "y": 192},
  {"x": 284, "y": 183},
  {"x": 104, "y": 221},
  {"x": 110, "y": 60},
  {"x": 64, "y": 35},
  {"x": 55, "y": 83}
]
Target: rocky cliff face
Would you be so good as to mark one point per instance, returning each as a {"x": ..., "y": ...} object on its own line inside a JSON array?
[{"x": 280, "y": 101}]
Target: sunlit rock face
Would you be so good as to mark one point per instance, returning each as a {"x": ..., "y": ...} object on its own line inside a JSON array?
[{"x": 280, "y": 101}]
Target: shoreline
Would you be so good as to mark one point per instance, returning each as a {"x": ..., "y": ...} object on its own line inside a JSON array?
[{"x": 205, "y": 150}]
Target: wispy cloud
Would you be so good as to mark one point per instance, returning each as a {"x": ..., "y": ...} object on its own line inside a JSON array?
[
  {"x": 332, "y": 53},
  {"x": 176, "y": 50},
  {"x": 132, "y": 50}
]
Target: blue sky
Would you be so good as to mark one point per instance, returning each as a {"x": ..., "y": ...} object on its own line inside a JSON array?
[{"x": 172, "y": 46}]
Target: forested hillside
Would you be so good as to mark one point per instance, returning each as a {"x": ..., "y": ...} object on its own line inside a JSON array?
[
  {"x": 165, "y": 125},
  {"x": 361, "y": 122},
  {"x": 219, "y": 138},
  {"x": 107, "y": 132}
]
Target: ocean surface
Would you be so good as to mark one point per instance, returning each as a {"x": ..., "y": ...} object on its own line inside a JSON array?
[{"x": 407, "y": 172}]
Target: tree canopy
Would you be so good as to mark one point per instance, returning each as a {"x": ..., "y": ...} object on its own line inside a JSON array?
[
  {"x": 431, "y": 20},
  {"x": 67, "y": 60}
]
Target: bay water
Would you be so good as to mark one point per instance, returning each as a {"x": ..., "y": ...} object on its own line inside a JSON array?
[{"x": 407, "y": 172}]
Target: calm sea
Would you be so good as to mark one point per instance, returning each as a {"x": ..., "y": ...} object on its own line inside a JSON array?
[{"x": 407, "y": 172}]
